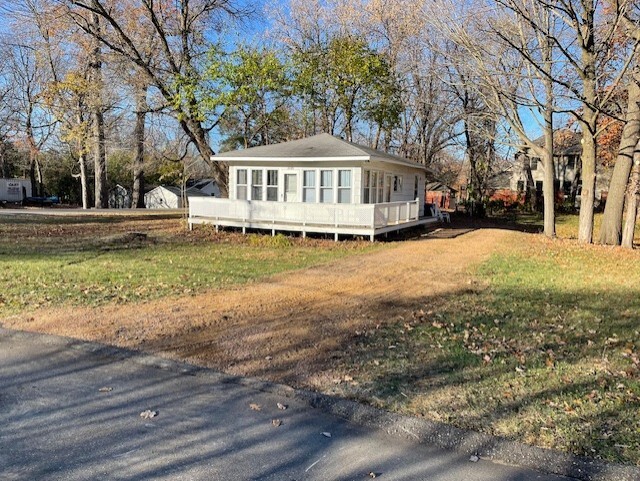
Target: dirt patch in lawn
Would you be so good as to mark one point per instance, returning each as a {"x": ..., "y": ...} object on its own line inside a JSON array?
[{"x": 291, "y": 328}]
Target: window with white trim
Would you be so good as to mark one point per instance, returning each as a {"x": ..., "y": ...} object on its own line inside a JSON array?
[
  {"x": 272, "y": 185},
  {"x": 374, "y": 187},
  {"x": 309, "y": 186},
  {"x": 344, "y": 186},
  {"x": 397, "y": 183},
  {"x": 366, "y": 192},
  {"x": 256, "y": 185},
  {"x": 326, "y": 186},
  {"x": 415, "y": 187},
  {"x": 241, "y": 184}
]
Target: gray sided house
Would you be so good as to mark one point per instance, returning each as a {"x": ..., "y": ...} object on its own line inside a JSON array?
[
  {"x": 567, "y": 153},
  {"x": 318, "y": 184}
]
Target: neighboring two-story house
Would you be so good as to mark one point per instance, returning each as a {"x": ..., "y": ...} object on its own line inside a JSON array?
[{"x": 528, "y": 172}]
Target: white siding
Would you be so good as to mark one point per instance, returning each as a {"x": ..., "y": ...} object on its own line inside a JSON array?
[
  {"x": 161, "y": 198},
  {"x": 11, "y": 189},
  {"x": 357, "y": 186},
  {"x": 407, "y": 173}
]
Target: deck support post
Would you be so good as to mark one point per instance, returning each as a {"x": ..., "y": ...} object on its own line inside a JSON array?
[
  {"x": 190, "y": 226},
  {"x": 371, "y": 237},
  {"x": 304, "y": 235},
  {"x": 335, "y": 237},
  {"x": 244, "y": 230}
]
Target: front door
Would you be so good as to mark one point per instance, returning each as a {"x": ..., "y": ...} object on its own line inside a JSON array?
[{"x": 291, "y": 187}]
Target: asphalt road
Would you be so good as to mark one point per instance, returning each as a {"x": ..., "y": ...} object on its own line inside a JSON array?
[{"x": 71, "y": 410}]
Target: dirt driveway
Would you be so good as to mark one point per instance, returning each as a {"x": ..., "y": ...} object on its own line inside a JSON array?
[{"x": 289, "y": 328}]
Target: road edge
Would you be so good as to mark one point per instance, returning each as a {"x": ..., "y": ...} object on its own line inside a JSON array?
[{"x": 419, "y": 430}]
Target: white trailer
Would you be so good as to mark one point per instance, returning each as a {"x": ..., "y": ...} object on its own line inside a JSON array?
[{"x": 14, "y": 190}]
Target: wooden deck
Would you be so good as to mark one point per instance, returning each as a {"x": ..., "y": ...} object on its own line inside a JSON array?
[{"x": 339, "y": 219}]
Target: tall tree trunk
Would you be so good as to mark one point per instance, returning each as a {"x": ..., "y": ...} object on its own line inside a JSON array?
[
  {"x": 199, "y": 137},
  {"x": 588, "y": 175},
  {"x": 100, "y": 157},
  {"x": 4, "y": 160},
  {"x": 137, "y": 195},
  {"x": 588, "y": 123},
  {"x": 611, "y": 230},
  {"x": 5, "y": 168},
  {"x": 32, "y": 175},
  {"x": 376, "y": 140},
  {"x": 548, "y": 184},
  {"x": 35, "y": 176},
  {"x": 633, "y": 197},
  {"x": 84, "y": 181}
]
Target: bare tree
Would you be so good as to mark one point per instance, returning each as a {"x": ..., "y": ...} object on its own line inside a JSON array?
[
  {"x": 101, "y": 193},
  {"x": 29, "y": 122},
  {"x": 173, "y": 68},
  {"x": 611, "y": 228}
]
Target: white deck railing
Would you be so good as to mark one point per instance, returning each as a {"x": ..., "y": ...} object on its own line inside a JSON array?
[{"x": 252, "y": 212}]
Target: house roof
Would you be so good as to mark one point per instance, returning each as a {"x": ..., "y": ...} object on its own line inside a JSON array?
[
  {"x": 439, "y": 186},
  {"x": 318, "y": 147},
  {"x": 200, "y": 183},
  {"x": 565, "y": 142},
  {"x": 191, "y": 191}
]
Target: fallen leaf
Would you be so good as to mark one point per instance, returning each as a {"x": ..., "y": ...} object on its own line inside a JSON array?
[
  {"x": 474, "y": 459},
  {"x": 326, "y": 434},
  {"x": 105, "y": 389},
  {"x": 372, "y": 474},
  {"x": 148, "y": 414},
  {"x": 282, "y": 406},
  {"x": 276, "y": 422},
  {"x": 255, "y": 407}
]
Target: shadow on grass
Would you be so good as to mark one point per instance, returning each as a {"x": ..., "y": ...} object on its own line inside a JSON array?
[{"x": 553, "y": 368}]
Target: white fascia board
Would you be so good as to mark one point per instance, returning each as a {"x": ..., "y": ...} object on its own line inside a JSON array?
[
  {"x": 400, "y": 162},
  {"x": 355, "y": 158}
]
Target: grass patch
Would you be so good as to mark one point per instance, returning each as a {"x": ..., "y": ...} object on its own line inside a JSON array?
[
  {"x": 96, "y": 261},
  {"x": 566, "y": 224},
  {"x": 543, "y": 347}
]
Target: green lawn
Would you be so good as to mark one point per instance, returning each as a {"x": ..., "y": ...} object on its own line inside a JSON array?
[
  {"x": 94, "y": 261},
  {"x": 543, "y": 347},
  {"x": 566, "y": 224}
]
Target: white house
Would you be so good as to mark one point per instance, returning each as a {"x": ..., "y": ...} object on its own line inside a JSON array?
[
  {"x": 317, "y": 184},
  {"x": 169, "y": 197}
]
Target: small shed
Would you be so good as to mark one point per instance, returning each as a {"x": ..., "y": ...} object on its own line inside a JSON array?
[
  {"x": 169, "y": 197},
  {"x": 440, "y": 194}
]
